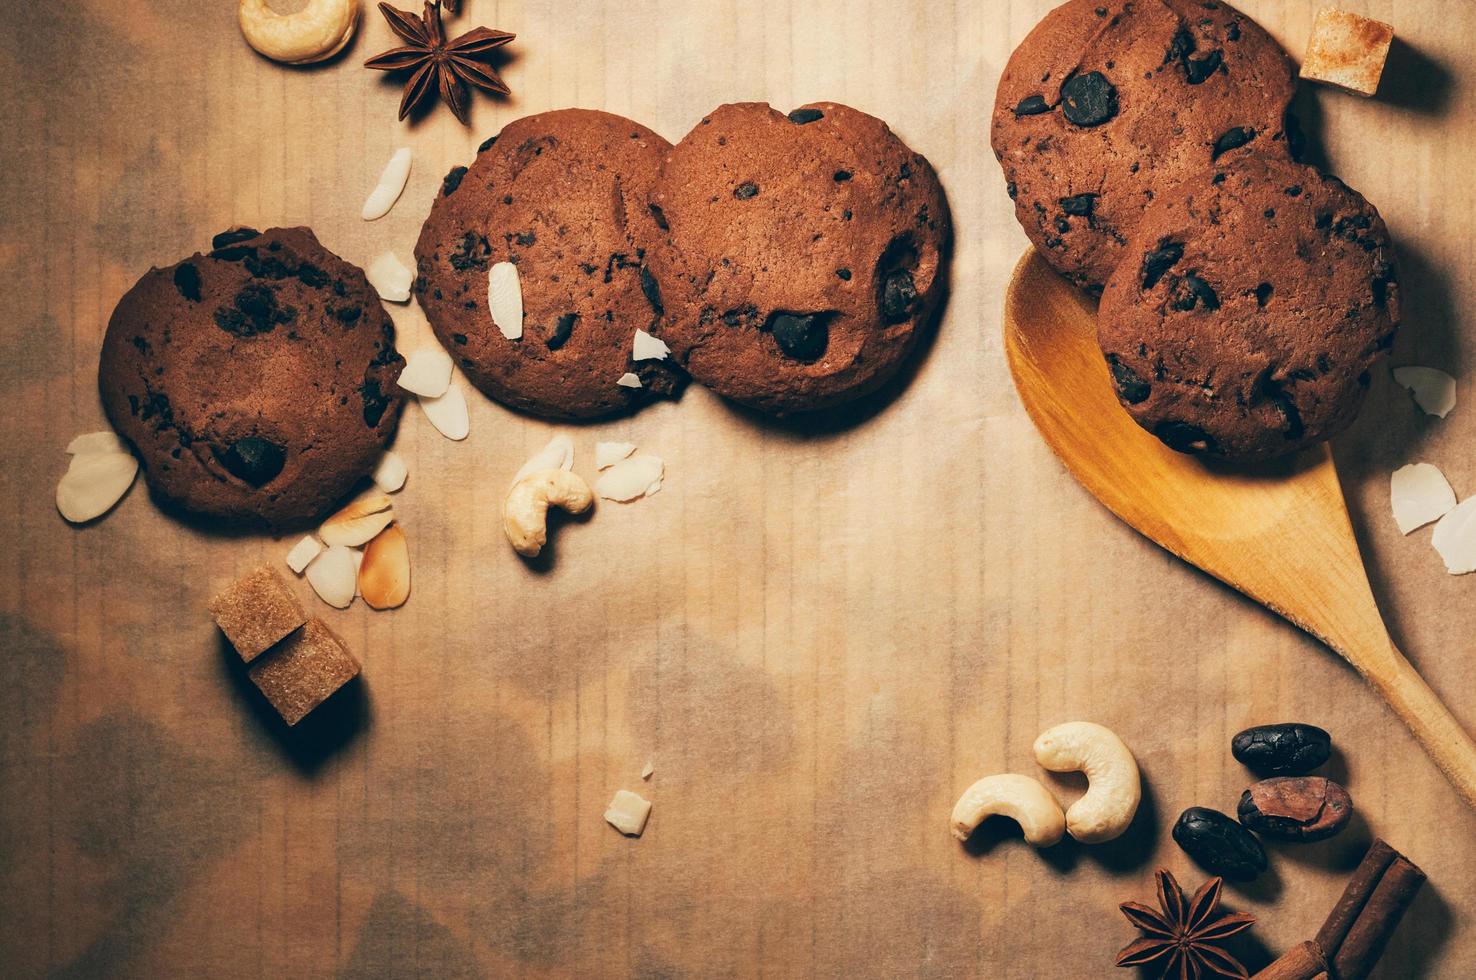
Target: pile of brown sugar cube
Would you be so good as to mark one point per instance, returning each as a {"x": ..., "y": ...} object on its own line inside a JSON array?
[{"x": 296, "y": 662}]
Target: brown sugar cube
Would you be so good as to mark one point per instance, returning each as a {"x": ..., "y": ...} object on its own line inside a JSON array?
[
  {"x": 256, "y": 612},
  {"x": 301, "y": 673},
  {"x": 1347, "y": 51}
]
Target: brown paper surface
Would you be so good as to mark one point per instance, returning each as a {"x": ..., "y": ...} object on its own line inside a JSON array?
[{"x": 819, "y": 634}]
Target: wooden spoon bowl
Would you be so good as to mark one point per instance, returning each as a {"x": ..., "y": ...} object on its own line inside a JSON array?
[{"x": 1278, "y": 532}]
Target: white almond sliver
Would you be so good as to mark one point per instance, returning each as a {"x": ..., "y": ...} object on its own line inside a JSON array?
[
  {"x": 505, "y": 299},
  {"x": 557, "y": 455},
  {"x": 1420, "y": 494},
  {"x": 334, "y": 575},
  {"x": 448, "y": 413},
  {"x": 93, "y": 483},
  {"x": 427, "y": 372},
  {"x": 391, "y": 185},
  {"x": 390, "y": 278},
  {"x": 628, "y": 813},
  {"x": 1455, "y": 538},
  {"x": 1433, "y": 390},
  {"x": 648, "y": 348},
  {"x": 631, "y": 478},
  {"x": 390, "y": 472},
  {"x": 607, "y": 454},
  {"x": 303, "y": 553},
  {"x": 628, "y": 380},
  {"x": 97, "y": 442}
]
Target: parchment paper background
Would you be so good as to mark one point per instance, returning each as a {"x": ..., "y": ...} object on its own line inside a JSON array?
[{"x": 819, "y": 633}]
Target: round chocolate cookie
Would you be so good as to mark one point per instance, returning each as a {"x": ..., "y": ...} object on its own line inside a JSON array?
[
  {"x": 257, "y": 382},
  {"x": 1249, "y": 311},
  {"x": 803, "y": 254},
  {"x": 1110, "y": 103},
  {"x": 562, "y": 196}
]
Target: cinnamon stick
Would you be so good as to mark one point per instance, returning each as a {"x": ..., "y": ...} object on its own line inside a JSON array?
[
  {"x": 1359, "y": 926},
  {"x": 1304, "y": 962}
]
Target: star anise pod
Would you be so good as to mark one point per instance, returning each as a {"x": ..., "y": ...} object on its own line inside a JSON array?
[
  {"x": 439, "y": 65},
  {"x": 1183, "y": 939}
]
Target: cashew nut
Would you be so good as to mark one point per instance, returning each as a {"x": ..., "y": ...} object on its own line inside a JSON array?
[
  {"x": 1113, "y": 785},
  {"x": 525, "y": 512},
  {"x": 1022, "y": 799},
  {"x": 316, "y": 32}
]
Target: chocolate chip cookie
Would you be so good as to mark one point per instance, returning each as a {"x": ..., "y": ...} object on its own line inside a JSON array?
[
  {"x": 562, "y": 196},
  {"x": 256, "y": 381},
  {"x": 1250, "y": 310},
  {"x": 802, "y": 255},
  {"x": 1110, "y": 103}
]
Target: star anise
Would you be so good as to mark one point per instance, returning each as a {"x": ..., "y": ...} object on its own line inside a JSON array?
[
  {"x": 1183, "y": 939},
  {"x": 437, "y": 64}
]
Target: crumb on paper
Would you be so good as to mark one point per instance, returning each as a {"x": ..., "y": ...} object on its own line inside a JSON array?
[
  {"x": 649, "y": 771},
  {"x": 628, "y": 813},
  {"x": 1347, "y": 51}
]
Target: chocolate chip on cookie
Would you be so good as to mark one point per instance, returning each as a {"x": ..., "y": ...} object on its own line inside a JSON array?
[{"x": 257, "y": 381}]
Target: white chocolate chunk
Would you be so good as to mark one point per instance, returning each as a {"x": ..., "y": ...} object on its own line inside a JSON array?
[
  {"x": 607, "y": 454},
  {"x": 93, "y": 483},
  {"x": 505, "y": 299},
  {"x": 557, "y": 455},
  {"x": 628, "y": 479},
  {"x": 1455, "y": 538},
  {"x": 648, "y": 348},
  {"x": 628, "y": 380},
  {"x": 334, "y": 575},
  {"x": 391, "y": 185},
  {"x": 1433, "y": 390},
  {"x": 1420, "y": 494},
  {"x": 390, "y": 278},
  {"x": 628, "y": 813},
  {"x": 390, "y": 472},
  {"x": 303, "y": 553},
  {"x": 448, "y": 413},
  {"x": 106, "y": 441},
  {"x": 427, "y": 372}
]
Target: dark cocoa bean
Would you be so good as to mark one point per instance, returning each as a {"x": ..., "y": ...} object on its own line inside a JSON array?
[
  {"x": 1218, "y": 844},
  {"x": 1300, "y": 809},
  {"x": 1289, "y": 749}
]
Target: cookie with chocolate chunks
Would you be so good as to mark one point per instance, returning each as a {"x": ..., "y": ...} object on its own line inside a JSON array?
[
  {"x": 803, "y": 255},
  {"x": 562, "y": 196},
  {"x": 256, "y": 380},
  {"x": 1250, "y": 311},
  {"x": 1107, "y": 104}
]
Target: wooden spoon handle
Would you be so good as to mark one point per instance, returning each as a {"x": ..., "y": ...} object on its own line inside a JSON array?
[{"x": 1445, "y": 741}]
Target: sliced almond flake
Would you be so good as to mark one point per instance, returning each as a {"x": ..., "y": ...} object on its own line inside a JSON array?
[
  {"x": 505, "y": 299},
  {"x": 390, "y": 278},
  {"x": 334, "y": 576},
  {"x": 1420, "y": 494},
  {"x": 1455, "y": 538},
  {"x": 303, "y": 553},
  {"x": 106, "y": 441},
  {"x": 1433, "y": 390},
  {"x": 557, "y": 455},
  {"x": 448, "y": 413},
  {"x": 358, "y": 522},
  {"x": 607, "y": 454},
  {"x": 631, "y": 478},
  {"x": 628, "y": 813},
  {"x": 93, "y": 483},
  {"x": 649, "y": 771},
  {"x": 384, "y": 570},
  {"x": 390, "y": 472},
  {"x": 648, "y": 348},
  {"x": 427, "y": 372},
  {"x": 391, "y": 185},
  {"x": 628, "y": 380}
]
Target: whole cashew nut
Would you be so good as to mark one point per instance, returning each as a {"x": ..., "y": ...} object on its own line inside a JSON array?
[
  {"x": 525, "y": 512},
  {"x": 315, "y": 33},
  {"x": 1022, "y": 799},
  {"x": 1114, "y": 787}
]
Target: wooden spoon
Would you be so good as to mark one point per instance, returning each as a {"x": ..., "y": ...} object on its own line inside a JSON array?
[{"x": 1279, "y": 533}]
